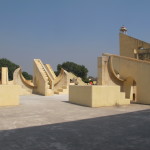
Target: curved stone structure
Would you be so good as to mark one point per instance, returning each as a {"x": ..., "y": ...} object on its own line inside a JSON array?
[
  {"x": 26, "y": 85},
  {"x": 129, "y": 72},
  {"x": 42, "y": 79},
  {"x": 113, "y": 71},
  {"x": 59, "y": 78},
  {"x": 136, "y": 83},
  {"x": 64, "y": 79},
  {"x": 50, "y": 71}
]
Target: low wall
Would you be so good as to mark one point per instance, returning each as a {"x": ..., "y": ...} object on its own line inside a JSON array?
[
  {"x": 97, "y": 96},
  {"x": 9, "y": 95}
]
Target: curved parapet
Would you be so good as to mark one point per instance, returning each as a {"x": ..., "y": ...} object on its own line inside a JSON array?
[
  {"x": 76, "y": 80},
  {"x": 134, "y": 76},
  {"x": 70, "y": 77},
  {"x": 62, "y": 82},
  {"x": 26, "y": 85},
  {"x": 116, "y": 75},
  {"x": 26, "y": 82},
  {"x": 59, "y": 78}
]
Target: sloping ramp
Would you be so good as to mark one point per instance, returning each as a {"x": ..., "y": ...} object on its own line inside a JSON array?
[
  {"x": 42, "y": 79},
  {"x": 26, "y": 85}
]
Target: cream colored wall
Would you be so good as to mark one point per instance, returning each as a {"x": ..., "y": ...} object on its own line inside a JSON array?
[
  {"x": 128, "y": 87},
  {"x": 18, "y": 79},
  {"x": 81, "y": 95},
  {"x": 108, "y": 96},
  {"x": 4, "y": 75},
  {"x": 103, "y": 71},
  {"x": 9, "y": 95},
  {"x": 50, "y": 71},
  {"x": 138, "y": 71},
  {"x": 78, "y": 80},
  {"x": 61, "y": 80},
  {"x": 128, "y": 44},
  {"x": 97, "y": 96},
  {"x": 40, "y": 81},
  {"x": 117, "y": 73}
]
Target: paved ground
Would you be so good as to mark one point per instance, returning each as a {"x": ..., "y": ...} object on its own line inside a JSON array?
[{"x": 51, "y": 123}]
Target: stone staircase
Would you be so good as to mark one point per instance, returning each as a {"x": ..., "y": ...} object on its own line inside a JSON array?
[
  {"x": 24, "y": 91},
  {"x": 62, "y": 90},
  {"x": 50, "y": 71},
  {"x": 47, "y": 84},
  {"x": 123, "y": 99},
  {"x": 97, "y": 96},
  {"x": 45, "y": 74}
]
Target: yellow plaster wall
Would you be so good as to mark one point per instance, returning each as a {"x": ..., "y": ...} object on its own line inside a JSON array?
[
  {"x": 26, "y": 87},
  {"x": 61, "y": 80},
  {"x": 103, "y": 71},
  {"x": 128, "y": 44},
  {"x": 50, "y": 71},
  {"x": 81, "y": 95},
  {"x": 97, "y": 96},
  {"x": 40, "y": 80},
  {"x": 4, "y": 75},
  {"x": 9, "y": 95},
  {"x": 139, "y": 71},
  {"x": 133, "y": 69}
]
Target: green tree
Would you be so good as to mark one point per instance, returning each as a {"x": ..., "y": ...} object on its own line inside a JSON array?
[
  {"x": 27, "y": 76},
  {"x": 11, "y": 66},
  {"x": 78, "y": 70}
]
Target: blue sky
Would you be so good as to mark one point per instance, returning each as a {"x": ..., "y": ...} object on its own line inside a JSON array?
[{"x": 68, "y": 30}]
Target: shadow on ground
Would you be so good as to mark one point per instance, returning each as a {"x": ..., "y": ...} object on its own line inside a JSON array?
[{"x": 130, "y": 131}]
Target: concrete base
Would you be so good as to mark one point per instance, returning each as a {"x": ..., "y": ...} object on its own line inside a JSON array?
[
  {"x": 9, "y": 95},
  {"x": 51, "y": 123},
  {"x": 97, "y": 96}
]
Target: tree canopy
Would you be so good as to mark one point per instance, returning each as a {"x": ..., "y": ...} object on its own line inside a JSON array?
[
  {"x": 27, "y": 76},
  {"x": 78, "y": 70},
  {"x": 11, "y": 68}
]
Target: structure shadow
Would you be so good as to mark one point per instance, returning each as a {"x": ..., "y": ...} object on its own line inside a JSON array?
[{"x": 130, "y": 131}]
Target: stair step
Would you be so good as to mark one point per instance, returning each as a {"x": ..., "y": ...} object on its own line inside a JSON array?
[
  {"x": 125, "y": 101},
  {"x": 71, "y": 84},
  {"x": 49, "y": 92},
  {"x": 56, "y": 92},
  {"x": 47, "y": 82},
  {"x": 24, "y": 92},
  {"x": 60, "y": 90},
  {"x": 65, "y": 91},
  {"x": 64, "y": 87},
  {"x": 122, "y": 95},
  {"x": 48, "y": 86}
]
